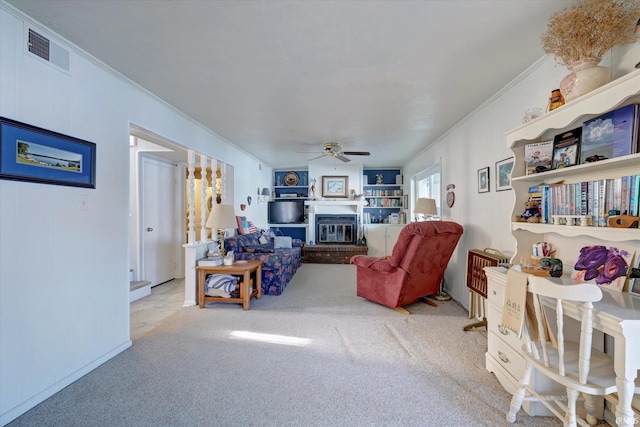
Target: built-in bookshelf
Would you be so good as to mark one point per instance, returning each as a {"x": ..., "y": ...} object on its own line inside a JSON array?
[
  {"x": 291, "y": 184},
  {"x": 382, "y": 189}
]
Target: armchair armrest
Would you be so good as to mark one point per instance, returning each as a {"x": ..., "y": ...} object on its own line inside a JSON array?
[{"x": 373, "y": 263}]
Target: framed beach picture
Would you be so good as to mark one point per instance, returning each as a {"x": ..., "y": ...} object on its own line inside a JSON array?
[
  {"x": 503, "y": 174},
  {"x": 29, "y": 153},
  {"x": 483, "y": 180},
  {"x": 335, "y": 186}
]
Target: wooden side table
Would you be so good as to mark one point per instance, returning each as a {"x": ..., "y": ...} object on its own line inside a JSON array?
[{"x": 239, "y": 268}]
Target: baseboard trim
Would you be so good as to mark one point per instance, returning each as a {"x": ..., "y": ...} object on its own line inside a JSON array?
[
  {"x": 140, "y": 290},
  {"x": 15, "y": 412}
]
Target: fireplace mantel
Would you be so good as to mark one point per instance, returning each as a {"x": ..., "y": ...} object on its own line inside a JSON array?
[
  {"x": 336, "y": 203},
  {"x": 331, "y": 207}
]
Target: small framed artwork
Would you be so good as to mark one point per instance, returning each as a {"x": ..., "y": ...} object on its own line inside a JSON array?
[
  {"x": 483, "y": 180},
  {"x": 503, "y": 174},
  {"x": 29, "y": 153},
  {"x": 335, "y": 186}
]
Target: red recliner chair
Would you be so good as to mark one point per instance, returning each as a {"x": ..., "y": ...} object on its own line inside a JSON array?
[{"x": 416, "y": 266}]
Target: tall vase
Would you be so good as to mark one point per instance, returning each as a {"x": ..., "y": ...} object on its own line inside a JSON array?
[{"x": 586, "y": 75}]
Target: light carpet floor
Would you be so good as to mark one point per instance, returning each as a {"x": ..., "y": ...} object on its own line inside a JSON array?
[{"x": 356, "y": 364}]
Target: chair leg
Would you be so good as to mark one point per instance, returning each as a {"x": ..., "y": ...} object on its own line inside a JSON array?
[
  {"x": 518, "y": 396},
  {"x": 590, "y": 408},
  {"x": 402, "y": 310},
  {"x": 427, "y": 301},
  {"x": 570, "y": 416}
]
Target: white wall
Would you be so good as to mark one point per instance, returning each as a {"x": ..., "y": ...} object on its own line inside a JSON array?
[
  {"x": 64, "y": 283},
  {"x": 329, "y": 167},
  {"x": 477, "y": 142}
]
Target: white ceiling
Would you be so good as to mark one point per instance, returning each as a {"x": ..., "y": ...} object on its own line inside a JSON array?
[{"x": 277, "y": 77}]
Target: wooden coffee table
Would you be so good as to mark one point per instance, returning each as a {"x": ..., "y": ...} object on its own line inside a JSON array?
[{"x": 246, "y": 269}]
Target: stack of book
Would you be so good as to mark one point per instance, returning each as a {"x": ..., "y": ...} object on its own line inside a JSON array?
[{"x": 596, "y": 199}]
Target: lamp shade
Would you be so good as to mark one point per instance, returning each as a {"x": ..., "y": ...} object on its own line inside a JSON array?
[
  {"x": 221, "y": 216},
  {"x": 426, "y": 207},
  {"x": 265, "y": 192}
]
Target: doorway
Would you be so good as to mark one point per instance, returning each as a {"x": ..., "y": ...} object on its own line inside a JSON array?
[{"x": 155, "y": 215}]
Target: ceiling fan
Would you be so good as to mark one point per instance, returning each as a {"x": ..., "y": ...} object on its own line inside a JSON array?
[{"x": 334, "y": 149}]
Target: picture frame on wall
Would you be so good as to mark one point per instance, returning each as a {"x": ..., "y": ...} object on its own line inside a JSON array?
[
  {"x": 483, "y": 180},
  {"x": 335, "y": 186},
  {"x": 29, "y": 153},
  {"x": 503, "y": 174}
]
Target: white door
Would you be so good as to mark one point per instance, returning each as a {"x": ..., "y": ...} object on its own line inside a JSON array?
[{"x": 158, "y": 194}]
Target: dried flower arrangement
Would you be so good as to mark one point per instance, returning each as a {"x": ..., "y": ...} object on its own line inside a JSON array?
[{"x": 589, "y": 29}]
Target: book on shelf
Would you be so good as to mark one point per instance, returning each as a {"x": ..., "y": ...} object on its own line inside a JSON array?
[
  {"x": 602, "y": 203},
  {"x": 594, "y": 199},
  {"x": 613, "y": 134},
  {"x": 538, "y": 157},
  {"x": 634, "y": 195},
  {"x": 566, "y": 148},
  {"x": 584, "y": 198},
  {"x": 624, "y": 195}
]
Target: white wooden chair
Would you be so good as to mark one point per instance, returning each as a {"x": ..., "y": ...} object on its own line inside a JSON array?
[{"x": 574, "y": 365}]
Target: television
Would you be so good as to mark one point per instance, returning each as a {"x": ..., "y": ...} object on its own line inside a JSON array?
[{"x": 286, "y": 212}]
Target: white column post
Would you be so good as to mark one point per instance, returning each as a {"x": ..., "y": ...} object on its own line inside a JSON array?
[
  {"x": 191, "y": 196},
  {"x": 203, "y": 197}
]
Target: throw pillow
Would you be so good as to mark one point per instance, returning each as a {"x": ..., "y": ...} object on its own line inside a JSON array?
[
  {"x": 251, "y": 227},
  {"x": 241, "y": 220},
  {"x": 282, "y": 242},
  {"x": 245, "y": 226},
  {"x": 263, "y": 240}
]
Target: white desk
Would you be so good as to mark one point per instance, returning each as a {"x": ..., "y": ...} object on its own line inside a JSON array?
[{"x": 618, "y": 315}]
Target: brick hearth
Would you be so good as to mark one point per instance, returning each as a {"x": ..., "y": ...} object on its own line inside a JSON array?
[{"x": 331, "y": 254}]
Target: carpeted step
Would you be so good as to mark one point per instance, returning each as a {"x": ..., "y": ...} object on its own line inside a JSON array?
[{"x": 137, "y": 284}]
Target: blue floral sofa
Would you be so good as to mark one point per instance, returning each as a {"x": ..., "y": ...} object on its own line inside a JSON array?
[{"x": 278, "y": 264}]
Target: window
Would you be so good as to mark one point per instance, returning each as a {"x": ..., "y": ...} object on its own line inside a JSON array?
[{"x": 427, "y": 184}]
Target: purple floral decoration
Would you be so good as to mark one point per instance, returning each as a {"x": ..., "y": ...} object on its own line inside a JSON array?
[{"x": 604, "y": 265}]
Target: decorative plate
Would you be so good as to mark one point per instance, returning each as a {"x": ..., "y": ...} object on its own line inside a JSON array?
[
  {"x": 451, "y": 197},
  {"x": 291, "y": 178}
]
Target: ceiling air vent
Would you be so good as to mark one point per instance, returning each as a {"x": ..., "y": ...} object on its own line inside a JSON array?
[{"x": 48, "y": 50}]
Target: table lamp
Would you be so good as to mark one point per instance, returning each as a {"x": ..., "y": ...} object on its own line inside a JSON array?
[
  {"x": 426, "y": 207},
  {"x": 221, "y": 218}
]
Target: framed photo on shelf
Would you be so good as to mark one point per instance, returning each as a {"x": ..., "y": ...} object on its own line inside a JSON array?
[
  {"x": 503, "y": 174},
  {"x": 634, "y": 283},
  {"x": 29, "y": 153},
  {"x": 335, "y": 186},
  {"x": 483, "y": 180},
  {"x": 566, "y": 148}
]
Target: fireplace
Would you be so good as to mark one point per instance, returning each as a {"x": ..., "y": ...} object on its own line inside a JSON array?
[{"x": 336, "y": 229}]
